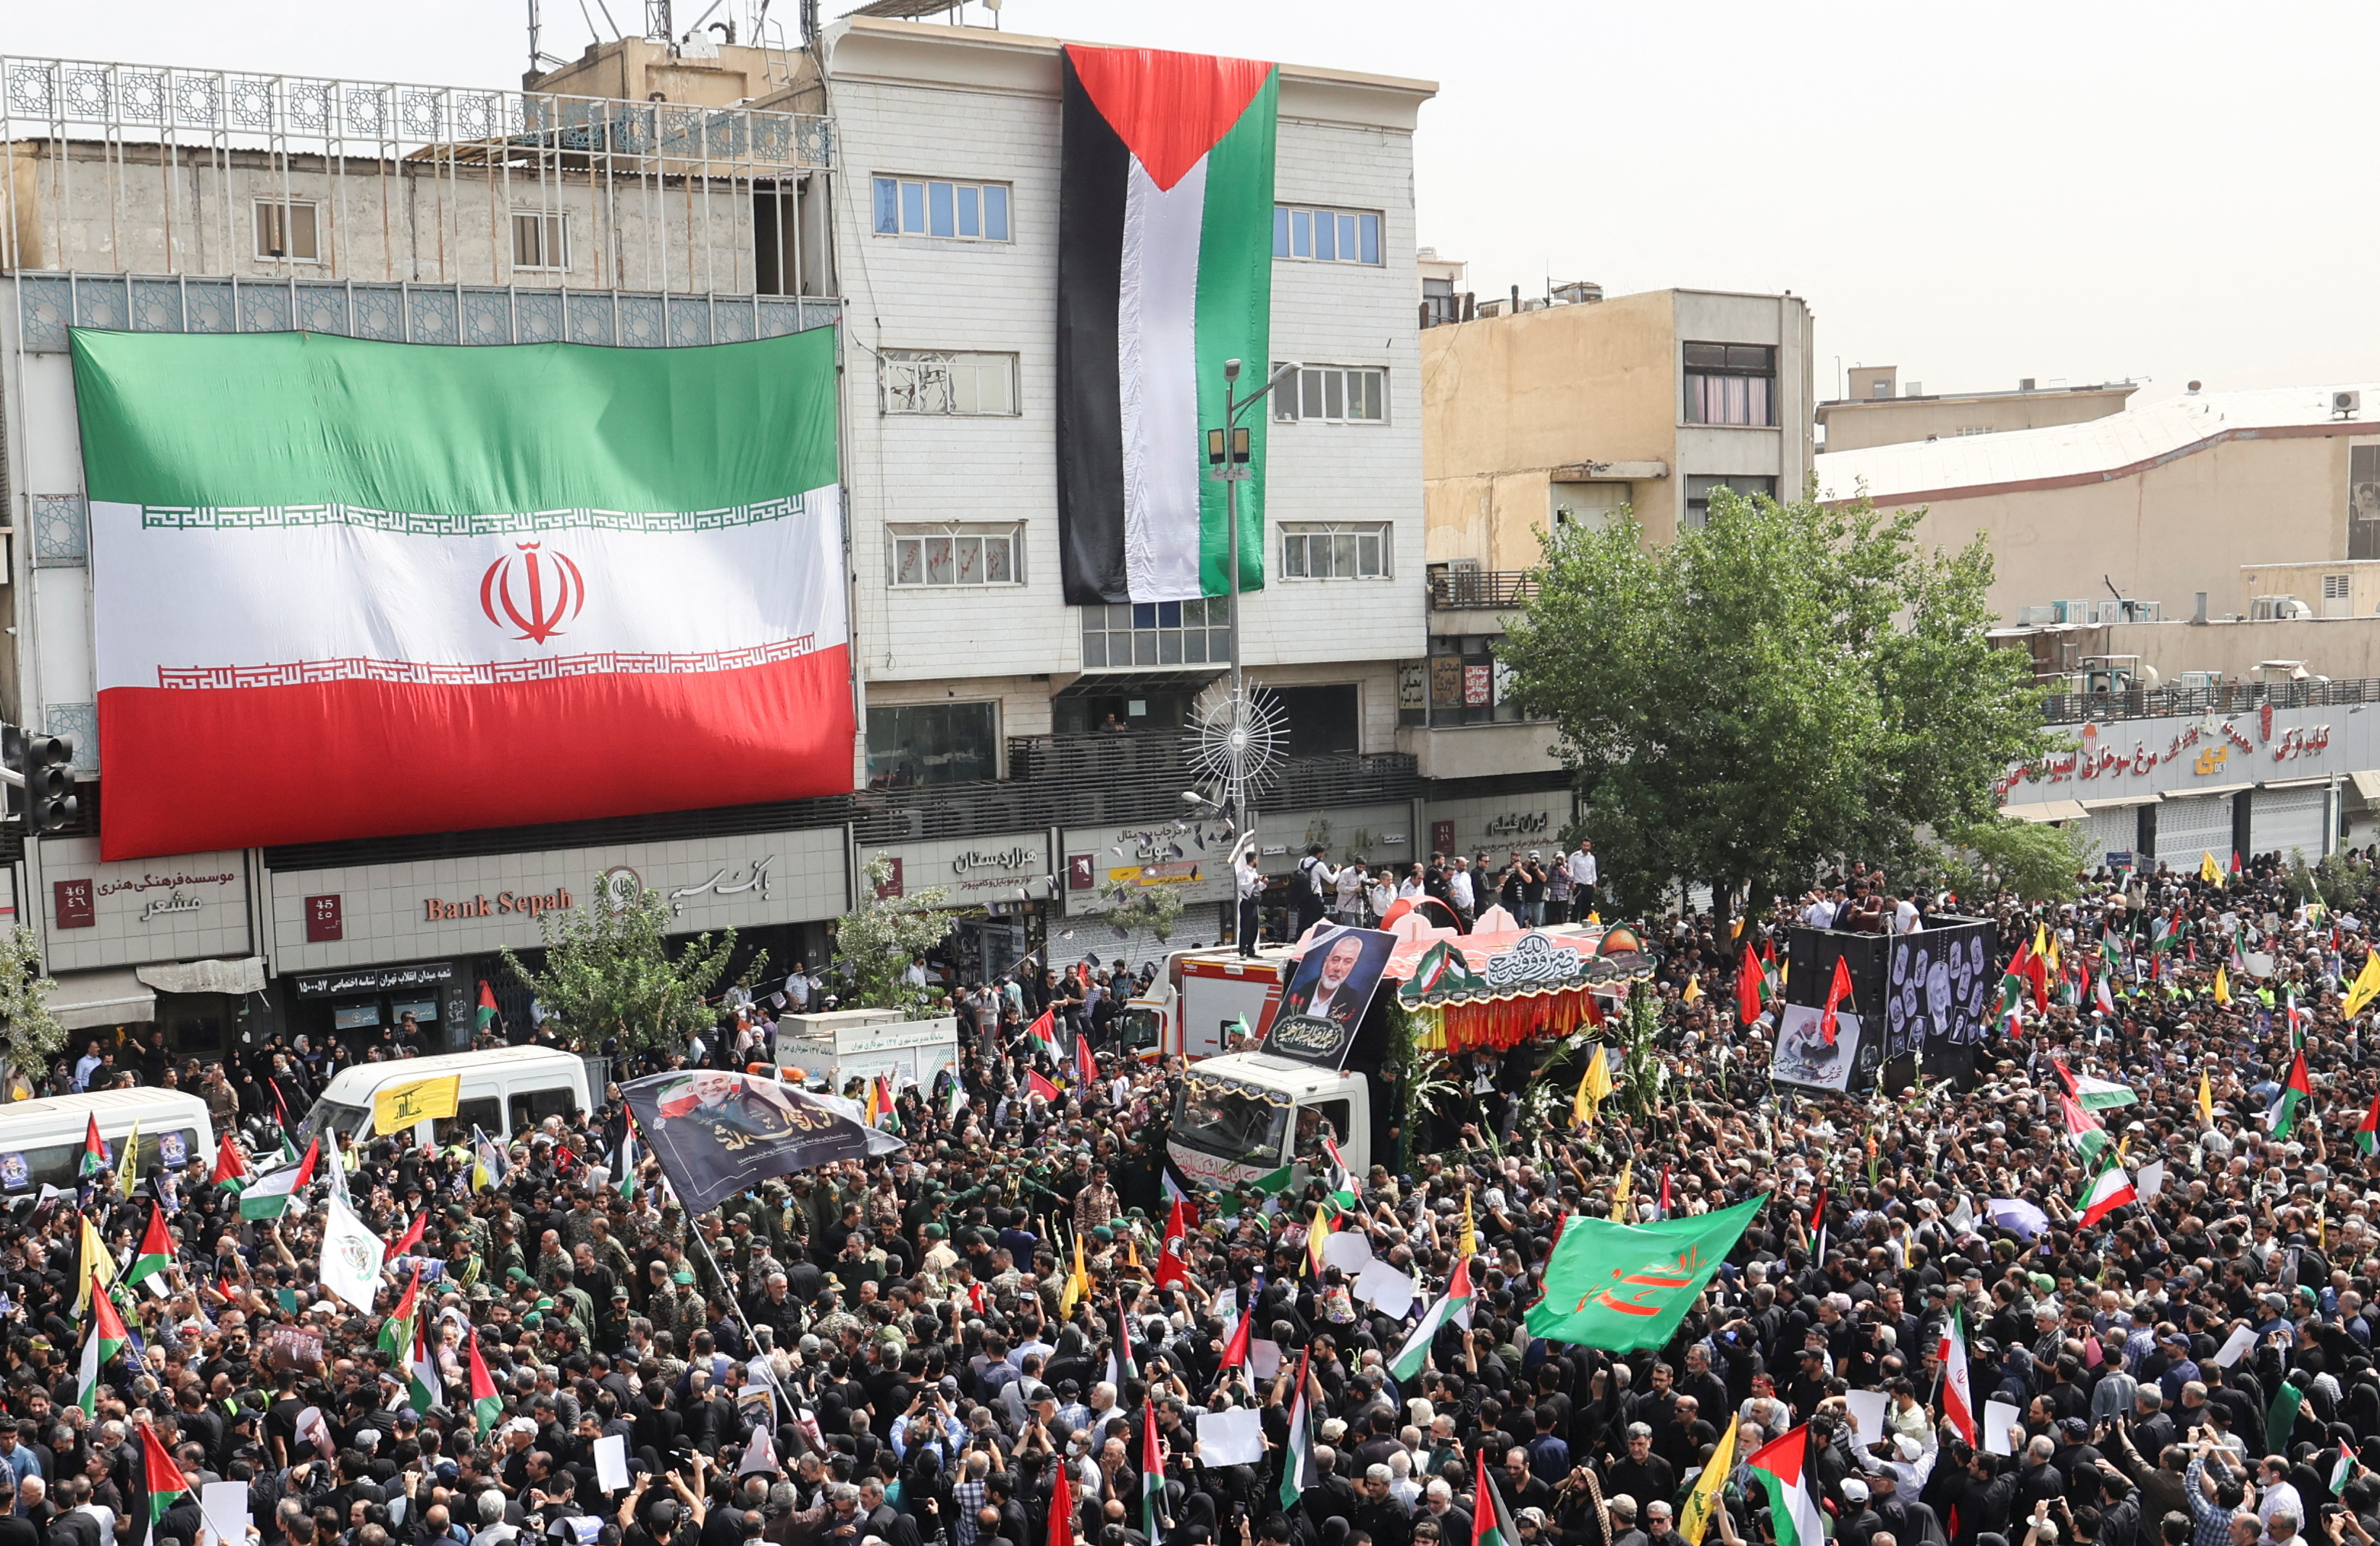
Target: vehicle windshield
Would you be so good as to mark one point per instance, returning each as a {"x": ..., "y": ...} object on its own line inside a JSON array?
[
  {"x": 328, "y": 1114},
  {"x": 1229, "y": 1125},
  {"x": 1140, "y": 1028}
]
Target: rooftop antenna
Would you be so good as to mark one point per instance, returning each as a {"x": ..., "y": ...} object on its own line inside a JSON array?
[{"x": 657, "y": 22}]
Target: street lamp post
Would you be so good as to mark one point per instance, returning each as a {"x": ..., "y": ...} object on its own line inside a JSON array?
[{"x": 1227, "y": 463}]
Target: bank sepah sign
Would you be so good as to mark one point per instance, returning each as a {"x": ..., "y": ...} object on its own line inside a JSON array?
[
  {"x": 2175, "y": 754},
  {"x": 1014, "y": 867},
  {"x": 1191, "y": 859}
]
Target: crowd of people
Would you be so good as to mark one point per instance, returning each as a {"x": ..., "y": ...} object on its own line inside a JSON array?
[{"x": 906, "y": 1351}]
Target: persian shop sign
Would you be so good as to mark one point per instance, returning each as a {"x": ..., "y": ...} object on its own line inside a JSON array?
[{"x": 2173, "y": 755}]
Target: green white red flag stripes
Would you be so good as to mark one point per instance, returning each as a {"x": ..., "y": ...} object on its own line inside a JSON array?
[
  {"x": 385, "y": 557},
  {"x": 2283, "y": 1117},
  {"x": 269, "y": 1196},
  {"x": 485, "y": 1403},
  {"x": 2109, "y": 1190},
  {"x": 2367, "y": 1131},
  {"x": 156, "y": 1251},
  {"x": 2083, "y": 1130},
  {"x": 1455, "y": 1305},
  {"x": 1778, "y": 1466},
  {"x": 424, "y": 1386},
  {"x": 1165, "y": 245},
  {"x": 101, "y": 1344},
  {"x": 1492, "y": 1518},
  {"x": 161, "y": 1476},
  {"x": 1957, "y": 1387},
  {"x": 2092, "y": 1094},
  {"x": 1293, "y": 1466},
  {"x": 1152, "y": 1475}
]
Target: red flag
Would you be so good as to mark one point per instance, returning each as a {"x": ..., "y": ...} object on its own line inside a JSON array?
[
  {"x": 1235, "y": 1352},
  {"x": 2235, "y": 861},
  {"x": 230, "y": 1164},
  {"x": 405, "y": 1305},
  {"x": 157, "y": 1467},
  {"x": 1747, "y": 988},
  {"x": 1086, "y": 1067},
  {"x": 1037, "y": 1085},
  {"x": 1170, "y": 1266},
  {"x": 1062, "y": 1510},
  {"x": 1837, "y": 991},
  {"x": 1818, "y": 1211},
  {"x": 1664, "y": 1205},
  {"x": 1594, "y": 1012},
  {"x": 411, "y": 1238}
]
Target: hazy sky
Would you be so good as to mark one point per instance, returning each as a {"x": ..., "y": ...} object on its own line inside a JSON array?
[{"x": 2075, "y": 192}]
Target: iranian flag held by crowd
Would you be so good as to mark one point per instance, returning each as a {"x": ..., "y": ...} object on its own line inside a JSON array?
[
  {"x": 322, "y": 565},
  {"x": 1165, "y": 247}
]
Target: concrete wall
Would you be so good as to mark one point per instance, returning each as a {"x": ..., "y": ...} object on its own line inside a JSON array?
[
  {"x": 2305, "y": 581},
  {"x": 1860, "y": 421},
  {"x": 2180, "y": 526}
]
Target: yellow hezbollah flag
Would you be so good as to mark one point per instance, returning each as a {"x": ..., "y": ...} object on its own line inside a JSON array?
[
  {"x": 401, "y": 1106},
  {"x": 1078, "y": 1282},
  {"x": 127, "y": 1169},
  {"x": 1695, "y": 1516},
  {"x": 2206, "y": 1098},
  {"x": 2208, "y": 870},
  {"x": 2222, "y": 987},
  {"x": 95, "y": 1263},
  {"x": 1593, "y": 1086},
  {"x": 2366, "y": 984},
  {"x": 1694, "y": 989},
  {"x": 1620, "y": 1193},
  {"x": 1469, "y": 1244}
]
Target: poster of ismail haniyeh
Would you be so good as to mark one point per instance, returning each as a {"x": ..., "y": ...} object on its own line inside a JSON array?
[{"x": 719, "y": 1134}]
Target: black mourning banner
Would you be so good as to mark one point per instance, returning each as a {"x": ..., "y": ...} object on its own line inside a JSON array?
[{"x": 717, "y": 1133}]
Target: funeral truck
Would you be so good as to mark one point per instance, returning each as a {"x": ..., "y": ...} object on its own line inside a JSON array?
[{"x": 1195, "y": 1006}]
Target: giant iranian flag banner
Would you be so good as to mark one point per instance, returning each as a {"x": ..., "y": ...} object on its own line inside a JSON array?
[
  {"x": 343, "y": 588},
  {"x": 1165, "y": 219}
]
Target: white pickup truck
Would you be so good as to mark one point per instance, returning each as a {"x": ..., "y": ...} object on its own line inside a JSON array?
[{"x": 1247, "y": 1113}]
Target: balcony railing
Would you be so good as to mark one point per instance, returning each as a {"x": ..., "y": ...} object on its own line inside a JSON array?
[
  {"x": 1451, "y": 589},
  {"x": 2232, "y": 697}
]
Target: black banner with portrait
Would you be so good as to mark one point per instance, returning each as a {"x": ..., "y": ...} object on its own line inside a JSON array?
[
  {"x": 1323, "y": 1004},
  {"x": 717, "y": 1133}
]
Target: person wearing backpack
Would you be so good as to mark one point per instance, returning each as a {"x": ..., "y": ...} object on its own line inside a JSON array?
[{"x": 1319, "y": 881}]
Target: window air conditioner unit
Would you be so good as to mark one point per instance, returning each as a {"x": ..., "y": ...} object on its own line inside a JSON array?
[{"x": 2347, "y": 404}]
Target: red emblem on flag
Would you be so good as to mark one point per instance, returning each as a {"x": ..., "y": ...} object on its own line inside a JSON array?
[{"x": 554, "y": 590}]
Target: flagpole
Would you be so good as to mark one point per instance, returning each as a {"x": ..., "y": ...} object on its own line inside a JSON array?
[{"x": 736, "y": 1302}]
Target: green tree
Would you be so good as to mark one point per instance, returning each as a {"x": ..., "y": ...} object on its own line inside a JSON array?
[
  {"x": 608, "y": 971},
  {"x": 880, "y": 936},
  {"x": 2033, "y": 863},
  {"x": 1778, "y": 689},
  {"x": 30, "y": 1035}
]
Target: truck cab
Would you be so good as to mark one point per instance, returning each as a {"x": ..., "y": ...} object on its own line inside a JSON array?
[
  {"x": 1195, "y": 1006},
  {"x": 1245, "y": 1115}
]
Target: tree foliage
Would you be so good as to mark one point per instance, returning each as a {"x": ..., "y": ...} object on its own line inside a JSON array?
[
  {"x": 880, "y": 936},
  {"x": 609, "y": 971},
  {"x": 30, "y": 1035},
  {"x": 1784, "y": 686},
  {"x": 2033, "y": 863}
]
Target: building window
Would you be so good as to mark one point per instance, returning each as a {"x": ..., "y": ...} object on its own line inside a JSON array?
[
  {"x": 1333, "y": 394},
  {"x": 1464, "y": 684},
  {"x": 1336, "y": 551},
  {"x": 2363, "y": 501},
  {"x": 1325, "y": 235},
  {"x": 540, "y": 241},
  {"x": 1323, "y": 721},
  {"x": 285, "y": 229},
  {"x": 1698, "y": 493},
  {"x": 1439, "y": 304},
  {"x": 932, "y": 743},
  {"x": 1137, "y": 634},
  {"x": 947, "y": 381},
  {"x": 922, "y": 207},
  {"x": 957, "y": 555},
  {"x": 1730, "y": 384}
]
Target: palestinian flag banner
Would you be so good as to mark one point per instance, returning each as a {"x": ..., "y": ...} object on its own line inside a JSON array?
[
  {"x": 2342, "y": 1465},
  {"x": 486, "y": 1015},
  {"x": 165, "y": 1479},
  {"x": 2109, "y": 1190},
  {"x": 105, "y": 1339},
  {"x": 156, "y": 1251},
  {"x": 1041, "y": 1036},
  {"x": 2367, "y": 1131},
  {"x": 1152, "y": 1475},
  {"x": 1296, "y": 1460},
  {"x": 2092, "y": 1094},
  {"x": 1165, "y": 251},
  {"x": 627, "y": 1160},
  {"x": 387, "y": 556},
  {"x": 269, "y": 1198},
  {"x": 231, "y": 1165},
  {"x": 1778, "y": 1467},
  {"x": 485, "y": 1403},
  {"x": 1455, "y": 1305},
  {"x": 2283, "y": 1115},
  {"x": 1344, "y": 1188},
  {"x": 424, "y": 1387},
  {"x": 2083, "y": 1130},
  {"x": 95, "y": 1157},
  {"x": 1492, "y": 1518}
]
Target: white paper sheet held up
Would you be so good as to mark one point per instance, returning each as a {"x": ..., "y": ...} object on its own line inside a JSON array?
[
  {"x": 223, "y": 1507},
  {"x": 1998, "y": 1417},
  {"x": 2237, "y": 1347},
  {"x": 611, "y": 1462},
  {"x": 1867, "y": 1415},
  {"x": 1232, "y": 1438}
]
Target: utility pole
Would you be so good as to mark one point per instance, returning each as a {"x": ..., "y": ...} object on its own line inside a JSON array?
[{"x": 1227, "y": 463}]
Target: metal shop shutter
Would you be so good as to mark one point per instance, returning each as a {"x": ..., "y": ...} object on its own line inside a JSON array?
[
  {"x": 2114, "y": 831},
  {"x": 2189, "y": 830},
  {"x": 2282, "y": 820}
]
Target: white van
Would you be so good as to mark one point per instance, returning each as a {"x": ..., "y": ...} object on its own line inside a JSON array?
[
  {"x": 41, "y": 1141},
  {"x": 504, "y": 1090}
]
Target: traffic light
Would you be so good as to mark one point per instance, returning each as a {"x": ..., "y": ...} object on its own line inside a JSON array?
[{"x": 41, "y": 779}]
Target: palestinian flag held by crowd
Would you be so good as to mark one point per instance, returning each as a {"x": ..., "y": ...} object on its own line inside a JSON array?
[
  {"x": 231, "y": 1165},
  {"x": 95, "y": 1157},
  {"x": 1778, "y": 1467},
  {"x": 1492, "y": 1518},
  {"x": 1454, "y": 1305},
  {"x": 2083, "y": 1130},
  {"x": 2367, "y": 1131},
  {"x": 2092, "y": 1094},
  {"x": 1041, "y": 1036},
  {"x": 424, "y": 1386},
  {"x": 165, "y": 1479},
  {"x": 485, "y": 1403},
  {"x": 269, "y": 1198},
  {"x": 1166, "y": 237},
  {"x": 2109, "y": 1190},
  {"x": 105, "y": 1339},
  {"x": 2283, "y": 1117},
  {"x": 156, "y": 1248},
  {"x": 1294, "y": 1464},
  {"x": 1152, "y": 1474},
  {"x": 486, "y": 1011}
]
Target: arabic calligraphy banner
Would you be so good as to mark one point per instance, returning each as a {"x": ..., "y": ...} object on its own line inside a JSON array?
[
  {"x": 339, "y": 562},
  {"x": 1622, "y": 1287},
  {"x": 717, "y": 1133}
]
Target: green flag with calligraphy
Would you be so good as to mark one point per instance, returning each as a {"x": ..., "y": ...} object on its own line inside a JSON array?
[{"x": 1620, "y": 1287}]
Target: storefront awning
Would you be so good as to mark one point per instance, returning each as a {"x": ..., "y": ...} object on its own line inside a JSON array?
[
  {"x": 2121, "y": 802},
  {"x": 2214, "y": 792},
  {"x": 111, "y": 995},
  {"x": 2047, "y": 810},
  {"x": 2295, "y": 783},
  {"x": 2367, "y": 785},
  {"x": 245, "y": 974}
]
